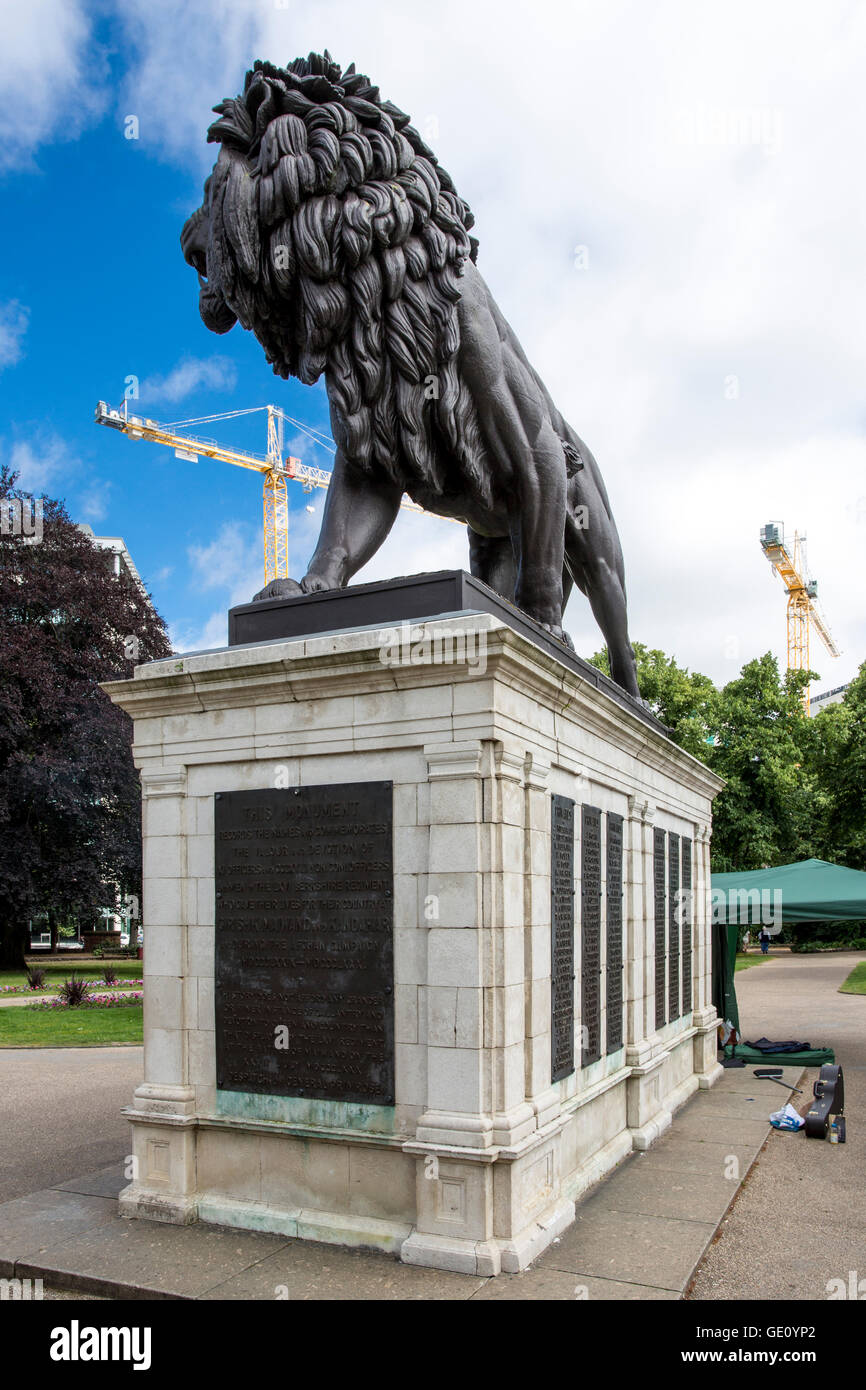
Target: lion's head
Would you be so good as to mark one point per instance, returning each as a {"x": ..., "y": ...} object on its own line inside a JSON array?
[{"x": 329, "y": 229}]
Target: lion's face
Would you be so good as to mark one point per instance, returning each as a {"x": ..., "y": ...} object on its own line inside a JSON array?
[{"x": 215, "y": 312}]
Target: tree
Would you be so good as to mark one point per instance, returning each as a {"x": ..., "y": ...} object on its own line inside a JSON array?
[
  {"x": 776, "y": 804},
  {"x": 765, "y": 814},
  {"x": 683, "y": 700},
  {"x": 840, "y": 768},
  {"x": 70, "y": 817}
]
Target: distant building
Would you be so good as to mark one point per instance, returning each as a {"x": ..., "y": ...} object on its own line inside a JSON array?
[
  {"x": 122, "y": 557},
  {"x": 827, "y": 697}
]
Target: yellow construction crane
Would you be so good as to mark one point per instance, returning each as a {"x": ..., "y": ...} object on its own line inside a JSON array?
[
  {"x": 276, "y": 472},
  {"x": 803, "y": 608}
]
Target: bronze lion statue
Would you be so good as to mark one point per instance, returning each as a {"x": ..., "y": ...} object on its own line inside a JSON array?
[{"x": 330, "y": 230}]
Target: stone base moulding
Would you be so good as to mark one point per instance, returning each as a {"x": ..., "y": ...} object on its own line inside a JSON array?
[{"x": 496, "y": 967}]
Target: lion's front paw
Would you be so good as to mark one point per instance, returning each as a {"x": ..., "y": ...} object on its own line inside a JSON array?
[
  {"x": 316, "y": 584},
  {"x": 559, "y": 633},
  {"x": 279, "y": 588}
]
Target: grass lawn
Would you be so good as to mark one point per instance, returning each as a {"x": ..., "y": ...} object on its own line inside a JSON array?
[
  {"x": 21, "y": 1027},
  {"x": 856, "y": 981},
  {"x": 57, "y": 971},
  {"x": 746, "y": 962}
]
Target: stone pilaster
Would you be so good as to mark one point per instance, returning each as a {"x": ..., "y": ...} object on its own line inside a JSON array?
[
  {"x": 706, "y": 1063},
  {"x": 163, "y": 1157},
  {"x": 646, "y": 1112},
  {"x": 487, "y": 1167}
]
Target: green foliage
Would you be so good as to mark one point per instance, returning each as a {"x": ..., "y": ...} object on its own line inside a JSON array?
[
  {"x": 795, "y": 788},
  {"x": 840, "y": 764},
  {"x": 765, "y": 815},
  {"x": 818, "y": 934},
  {"x": 681, "y": 699},
  {"x": 74, "y": 991},
  {"x": 810, "y": 946}
]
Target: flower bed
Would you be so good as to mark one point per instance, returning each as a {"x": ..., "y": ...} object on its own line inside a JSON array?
[
  {"x": 92, "y": 1001},
  {"x": 44, "y": 989}
]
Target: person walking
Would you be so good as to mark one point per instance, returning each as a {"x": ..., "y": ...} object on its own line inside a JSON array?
[{"x": 765, "y": 942}]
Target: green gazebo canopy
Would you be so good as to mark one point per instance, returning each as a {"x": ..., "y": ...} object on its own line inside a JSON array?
[{"x": 809, "y": 891}]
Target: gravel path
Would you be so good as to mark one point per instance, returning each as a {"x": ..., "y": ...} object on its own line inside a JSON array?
[{"x": 799, "y": 1220}]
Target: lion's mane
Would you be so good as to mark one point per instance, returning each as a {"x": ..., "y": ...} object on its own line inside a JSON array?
[{"x": 335, "y": 235}]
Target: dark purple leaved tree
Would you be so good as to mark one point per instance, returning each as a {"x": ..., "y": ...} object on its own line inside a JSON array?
[{"x": 70, "y": 809}]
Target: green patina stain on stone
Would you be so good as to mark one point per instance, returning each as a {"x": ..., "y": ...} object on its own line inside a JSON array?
[{"x": 303, "y": 1110}]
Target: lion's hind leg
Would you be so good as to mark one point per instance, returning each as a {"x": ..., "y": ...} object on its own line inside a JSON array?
[
  {"x": 491, "y": 559},
  {"x": 594, "y": 558}
]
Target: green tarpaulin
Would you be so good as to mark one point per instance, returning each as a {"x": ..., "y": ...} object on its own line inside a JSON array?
[
  {"x": 753, "y": 1057},
  {"x": 809, "y": 891},
  {"x": 724, "y": 963}
]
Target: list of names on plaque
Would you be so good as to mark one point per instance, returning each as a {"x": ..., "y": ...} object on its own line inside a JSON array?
[
  {"x": 562, "y": 936},
  {"x": 590, "y": 929},
  {"x": 614, "y": 966},
  {"x": 304, "y": 942},
  {"x": 660, "y": 923},
  {"x": 674, "y": 911},
  {"x": 687, "y": 924}
]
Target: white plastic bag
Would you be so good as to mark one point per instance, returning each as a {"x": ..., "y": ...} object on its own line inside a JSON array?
[{"x": 787, "y": 1118}]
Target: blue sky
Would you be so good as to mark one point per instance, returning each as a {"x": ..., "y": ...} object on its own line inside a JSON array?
[{"x": 670, "y": 215}]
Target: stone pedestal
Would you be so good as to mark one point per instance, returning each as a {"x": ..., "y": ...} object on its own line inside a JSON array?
[{"x": 477, "y": 1164}]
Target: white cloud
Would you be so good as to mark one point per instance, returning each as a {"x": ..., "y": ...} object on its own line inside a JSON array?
[
  {"x": 417, "y": 544},
  {"x": 51, "y": 77},
  {"x": 208, "y": 635},
  {"x": 13, "y": 326},
  {"x": 46, "y": 466},
  {"x": 40, "y": 463},
  {"x": 233, "y": 563},
  {"x": 229, "y": 561},
  {"x": 190, "y": 375},
  {"x": 184, "y": 59},
  {"x": 94, "y": 502}
]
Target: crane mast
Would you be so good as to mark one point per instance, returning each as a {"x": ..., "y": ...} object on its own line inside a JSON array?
[{"x": 804, "y": 611}]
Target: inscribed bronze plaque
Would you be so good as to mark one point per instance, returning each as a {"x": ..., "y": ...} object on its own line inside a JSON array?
[
  {"x": 562, "y": 937},
  {"x": 660, "y": 923},
  {"x": 590, "y": 931},
  {"x": 687, "y": 924},
  {"x": 304, "y": 942},
  {"x": 614, "y": 966},
  {"x": 674, "y": 913}
]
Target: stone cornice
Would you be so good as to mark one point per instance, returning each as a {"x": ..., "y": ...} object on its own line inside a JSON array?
[{"x": 349, "y": 663}]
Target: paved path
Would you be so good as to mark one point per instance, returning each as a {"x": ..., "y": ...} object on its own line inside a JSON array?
[
  {"x": 638, "y": 1236},
  {"x": 800, "y": 1219},
  {"x": 60, "y": 1112}
]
